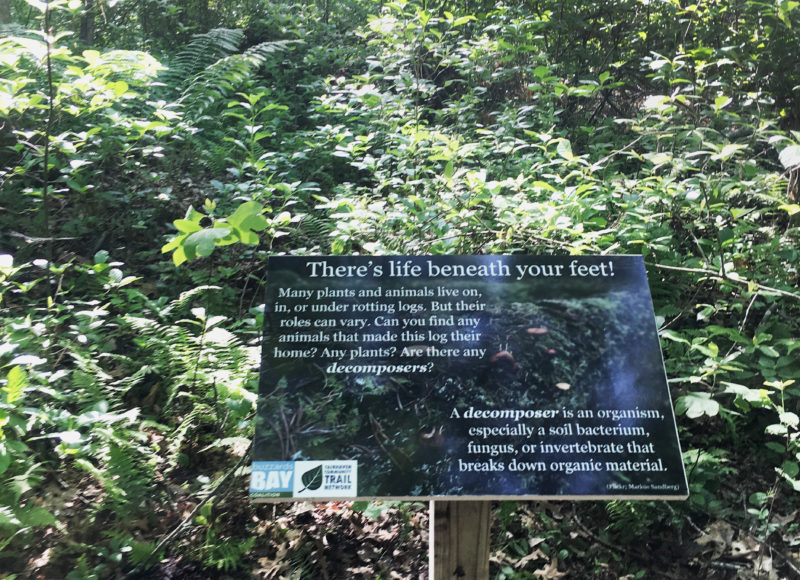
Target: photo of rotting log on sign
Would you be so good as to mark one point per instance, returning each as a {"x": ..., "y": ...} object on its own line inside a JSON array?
[{"x": 421, "y": 377}]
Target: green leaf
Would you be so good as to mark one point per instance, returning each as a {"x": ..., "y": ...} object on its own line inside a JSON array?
[
  {"x": 101, "y": 257},
  {"x": 776, "y": 447},
  {"x": 5, "y": 457},
  {"x": 246, "y": 220},
  {"x": 17, "y": 381},
  {"x": 790, "y": 419},
  {"x": 254, "y": 222},
  {"x": 712, "y": 350},
  {"x": 776, "y": 429},
  {"x": 204, "y": 241},
  {"x": 463, "y": 20},
  {"x": 312, "y": 479},
  {"x": 187, "y": 227},
  {"x": 728, "y": 151},
  {"x": 564, "y": 149},
  {"x": 448, "y": 170},
  {"x": 243, "y": 212},
  {"x": 790, "y": 156},
  {"x": 696, "y": 405},
  {"x": 721, "y": 102},
  {"x": 673, "y": 336},
  {"x": 658, "y": 158},
  {"x": 8, "y": 518},
  {"x": 790, "y": 468},
  {"x": 179, "y": 255},
  {"x": 768, "y": 350},
  {"x": 36, "y": 517},
  {"x": 746, "y": 393},
  {"x": 119, "y": 88}
]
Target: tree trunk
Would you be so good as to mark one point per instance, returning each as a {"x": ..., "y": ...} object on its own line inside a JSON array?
[
  {"x": 86, "y": 35},
  {"x": 5, "y": 11}
]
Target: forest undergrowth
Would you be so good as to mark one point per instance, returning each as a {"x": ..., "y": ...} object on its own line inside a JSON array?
[{"x": 154, "y": 155}]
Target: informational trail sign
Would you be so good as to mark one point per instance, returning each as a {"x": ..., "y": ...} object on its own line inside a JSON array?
[{"x": 463, "y": 377}]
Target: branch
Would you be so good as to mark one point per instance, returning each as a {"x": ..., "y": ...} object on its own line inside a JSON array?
[
  {"x": 48, "y": 33},
  {"x": 740, "y": 281},
  {"x": 597, "y": 164}
]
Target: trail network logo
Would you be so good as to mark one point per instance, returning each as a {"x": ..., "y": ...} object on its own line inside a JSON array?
[{"x": 326, "y": 479}]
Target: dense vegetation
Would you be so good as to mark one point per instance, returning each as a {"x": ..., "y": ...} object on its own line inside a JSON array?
[{"x": 155, "y": 153}]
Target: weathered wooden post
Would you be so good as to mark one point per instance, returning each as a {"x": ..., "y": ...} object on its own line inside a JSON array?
[{"x": 459, "y": 539}]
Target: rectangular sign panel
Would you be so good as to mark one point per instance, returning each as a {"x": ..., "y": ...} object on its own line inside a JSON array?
[{"x": 466, "y": 377}]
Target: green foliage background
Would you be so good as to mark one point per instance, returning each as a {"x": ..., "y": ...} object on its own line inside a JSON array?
[{"x": 219, "y": 133}]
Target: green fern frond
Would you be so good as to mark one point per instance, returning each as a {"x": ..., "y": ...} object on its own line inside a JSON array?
[
  {"x": 186, "y": 297},
  {"x": 202, "y": 51},
  {"x": 14, "y": 29},
  {"x": 222, "y": 78},
  {"x": 124, "y": 474},
  {"x": 260, "y": 52},
  {"x": 631, "y": 518},
  {"x": 180, "y": 435},
  {"x": 227, "y": 554},
  {"x": 216, "y": 158}
]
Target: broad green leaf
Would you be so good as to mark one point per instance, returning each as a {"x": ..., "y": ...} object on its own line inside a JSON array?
[
  {"x": 101, "y": 257},
  {"x": 695, "y": 405},
  {"x": 710, "y": 350},
  {"x": 768, "y": 350},
  {"x": 204, "y": 241},
  {"x": 776, "y": 429},
  {"x": 119, "y": 88},
  {"x": 17, "y": 381},
  {"x": 91, "y": 56},
  {"x": 673, "y": 336},
  {"x": 463, "y": 20},
  {"x": 791, "y": 468},
  {"x": 187, "y": 227},
  {"x": 658, "y": 158},
  {"x": 746, "y": 393},
  {"x": 728, "y": 151},
  {"x": 175, "y": 242},
  {"x": 790, "y": 156},
  {"x": 784, "y": 8},
  {"x": 564, "y": 149},
  {"x": 790, "y": 419},
  {"x": 721, "y": 102},
  {"x": 776, "y": 447},
  {"x": 246, "y": 235},
  {"x": 5, "y": 456}
]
